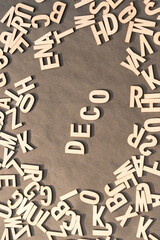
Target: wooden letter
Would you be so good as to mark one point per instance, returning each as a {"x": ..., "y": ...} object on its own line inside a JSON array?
[
  {"x": 75, "y": 147},
  {"x": 116, "y": 202},
  {"x": 14, "y": 97},
  {"x": 42, "y": 220},
  {"x": 114, "y": 4},
  {"x": 99, "y": 96},
  {"x": 153, "y": 142},
  {"x": 25, "y": 85},
  {"x": 126, "y": 179},
  {"x": 14, "y": 118},
  {"x": 63, "y": 233},
  {"x": 151, "y": 100},
  {"x": 84, "y": 21},
  {"x": 80, "y": 132},
  {"x": 45, "y": 39},
  {"x": 131, "y": 12},
  {"x": 33, "y": 220},
  {"x": 4, "y": 103},
  {"x": 145, "y": 187},
  {"x": 97, "y": 215},
  {"x": 150, "y": 79},
  {"x": 7, "y": 156},
  {"x": 3, "y": 81},
  {"x": 151, "y": 128},
  {"x": 145, "y": 44},
  {"x": 72, "y": 223},
  {"x": 107, "y": 232},
  {"x": 142, "y": 228},
  {"x": 156, "y": 38},
  {"x": 82, "y": 3},
  {"x": 23, "y": 142},
  {"x": 39, "y": 1},
  {"x": 16, "y": 196},
  {"x": 46, "y": 191},
  {"x": 154, "y": 169},
  {"x": 135, "y": 138},
  {"x": 124, "y": 170},
  {"x": 3, "y": 60},
  {"x": 97, "y": 33},
  {"x": 8, "y": 15},
  {"x": 59, "y": 211},
  {"x": 138, "y": 164},
  {"x": 5, "y": 38},
  {"x": 128, "y": 214},
  {"x": 8, "y": 140},
  {"x": 25, "y": 208},
  {"x": 58, "y": 11},
  {"x": 152, "y": 237},
  {"x": 17, "y": 235},
  {"x": 27, "y": 103},
  {"x": 38, "y": 18},
  {"x": 17, "y": 45},
  {"x": 49, "y": 64},
  {"x": 26, "y": 7},
  {"x": 136, "y": 94},
  {"x": 5, "y": 211},
  {"x": 151, "y": 12},
  {"x": 85, "y": 116},
  {"x": 89, "y": 197},
  {"x": 59, "y": 36},
  {"x": 15, "y": 222},
  {"x": 69, "y": 195},
  {"x": 43, "y": 51},
  {"x": 35, "y": 175},
  {"x": 141, "y": 201},
  {"x": 16, "y": 166},
  {"x": 77, "y": 227},
  {"x": 100, "y": 6},
  {"x": 31, "y": 193},
  {"x": 114, "y": 191},
  {"x": 112, "y": 18},
  {"x": 139, "y": 26},
  {"x": 6, "y": 234},
  {"x": 156, "y": 201},
  {"x": 19, "y": 24}
]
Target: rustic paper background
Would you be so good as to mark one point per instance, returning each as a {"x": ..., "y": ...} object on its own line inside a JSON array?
[{"x": 60, "y": 94}]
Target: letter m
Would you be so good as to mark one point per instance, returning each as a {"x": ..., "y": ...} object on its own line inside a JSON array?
[
  {"x": 141, "y": 26},
  {"x": 84, "y": 21},
  {"x": 7, "y": 140},
  {"x": 124, "y": 170}
]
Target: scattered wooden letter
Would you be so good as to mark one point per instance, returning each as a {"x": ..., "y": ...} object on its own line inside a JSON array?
[
  {"x": 23, "y": 141},
  {"x": 116, "y": 202},
  {"x": 75, "y": 147},
  {"x": 97, "y": 215},
  {"x": 69, "y": 195},
  {"x": 40, "y": 18},
  {"x": 126, "y": 216},
  {"x": 98, "y": 33},
  {"x": 142, "y": 228},
  {"x": 89, "y": 197},
  {"x": 59, "y": 211},
  {"x": 58, "y": 11}
]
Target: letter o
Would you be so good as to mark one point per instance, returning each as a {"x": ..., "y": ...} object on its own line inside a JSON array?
[
  {"x": 89, "y": 197},
  {"x": 99, "y": 96},
  {"x": 27, "y": 103}
]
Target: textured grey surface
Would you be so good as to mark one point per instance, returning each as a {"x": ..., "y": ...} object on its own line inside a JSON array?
[{"x": 61, "y": 93}]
